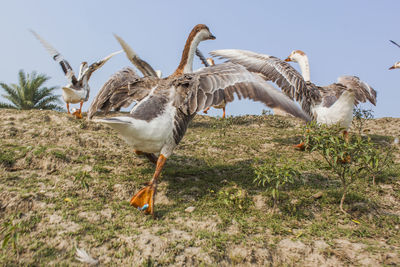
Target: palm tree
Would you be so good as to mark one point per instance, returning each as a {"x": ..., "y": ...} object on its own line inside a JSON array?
[{"x": 29, "y": 93}]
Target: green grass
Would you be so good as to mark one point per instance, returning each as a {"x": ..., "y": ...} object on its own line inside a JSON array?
[{"x": 72, "y": 187}]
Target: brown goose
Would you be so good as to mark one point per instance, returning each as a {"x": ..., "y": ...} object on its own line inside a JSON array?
[
  {"x": 123, "y": 77},
  {"x": 158, "y": 122},
  {"x": 77, "y": 91},
  {"x": 329, "y": 104}
]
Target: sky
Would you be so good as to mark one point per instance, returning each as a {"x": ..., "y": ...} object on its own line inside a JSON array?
[{"x": 340, "y": 38}]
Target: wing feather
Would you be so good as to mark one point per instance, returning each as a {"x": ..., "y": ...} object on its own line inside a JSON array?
[
  {"x": 222, "y": 81},
  {"x": 115, "y": 92},
  {"x": 145, "y": 68},
  {"x": 362, "y": 90},
  {"x": 66, "y": 68},
  {"x": 96, "y": 65}
]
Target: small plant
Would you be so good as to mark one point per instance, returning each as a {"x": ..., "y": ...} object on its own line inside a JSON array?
[
  {"x": 7, "y": 158},
  {"x": 82, "y": 178},
  {"x": 275, "y": 173},
  {"x": 377, "y": 159},
  {"x": 360, "y": 116},
  {"x": 343, "y": 157},
  {"x": 10, "y": 233},
  {"x": 234, "y": 197}
]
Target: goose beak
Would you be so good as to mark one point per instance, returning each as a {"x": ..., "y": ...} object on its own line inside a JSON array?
[
  {"x": 288, "y": 59},
  {"x": 392, "y": 67},
  {"x": 212, "y": 37}
]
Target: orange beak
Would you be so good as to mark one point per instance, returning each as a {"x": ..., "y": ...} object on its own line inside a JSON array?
[
  {"x": 392, "y": 67},
  {"x": 288, "y": 59}
]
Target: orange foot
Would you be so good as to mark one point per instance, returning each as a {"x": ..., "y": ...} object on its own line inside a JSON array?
[
  {"x": 143, "y": 200},
  {"x": 206, "y": 110},
  {"x": 77, "y": 114},
  {"x": 300, "y": 146}
]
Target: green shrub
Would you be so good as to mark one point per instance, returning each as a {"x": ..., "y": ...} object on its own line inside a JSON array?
[
  {"x": 345, "y": 158},
  {"x": 274, "y": 173}
]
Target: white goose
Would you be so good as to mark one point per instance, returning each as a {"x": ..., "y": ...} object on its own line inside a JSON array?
[
  {"x": 397, "y": 64},
  {"x": 329, "y": 104},
  {"x": 158, "y": 122},
  {"x": 77, "y": 91}
]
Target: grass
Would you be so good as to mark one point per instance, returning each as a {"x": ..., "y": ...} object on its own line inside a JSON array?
[{"x": 72, "y": 187}]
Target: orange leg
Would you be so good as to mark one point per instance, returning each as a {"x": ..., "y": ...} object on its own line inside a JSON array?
[
  {"x": 68, "y": 108},
  {"x": 144, "y": 199},
  {"x": 223, "y": 114},
  {"x": 80, "y": 108},
  {"x": 206, "y": 110},
  {"x": 300, "y": 146}
]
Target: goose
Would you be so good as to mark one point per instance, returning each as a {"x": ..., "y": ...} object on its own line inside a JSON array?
[
  {"x": 397, "y": 64},
  {"x": 158, "y": 122},
  {"x": 332, "y": 104},
  {"x": 210, "y": 62},
  {"x": 77, "y": 91},
  {"x": 123, "y": 77}
]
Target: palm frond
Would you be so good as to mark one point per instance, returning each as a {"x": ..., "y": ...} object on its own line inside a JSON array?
[
  {"x": 29, "y": 93},
  {"x": 5, "y": 105}
]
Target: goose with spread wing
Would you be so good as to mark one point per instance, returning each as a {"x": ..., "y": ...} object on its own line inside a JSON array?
[
  {"x": 397, "y": 64},
  {"x": 77, "y": 90},
  {"x": 330, "y": 104},
  {"x": 105, "y": 98},
  {"x": 158, "y": 122}
]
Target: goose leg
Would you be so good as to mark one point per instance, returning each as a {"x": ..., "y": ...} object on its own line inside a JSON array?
[
  {"x": 144, "y": 199},
  {"x": 223, "y": 114},
  {"x": 68, "y": 108},
  {"x": 300, "y": 146},
  {"x": 78, "y": 113},
  {"x": 206, "y": 110}
]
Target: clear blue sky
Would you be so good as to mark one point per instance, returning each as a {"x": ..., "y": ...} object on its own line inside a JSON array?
[{"x": 340, "y": 37}]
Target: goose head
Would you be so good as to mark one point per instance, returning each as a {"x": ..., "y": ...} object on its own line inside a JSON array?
[
  {"x": 395, "y": 66},
  {"x": 210, "y": 61},
  {"x": 296, "y": 56},
  {"x": 199, "y": 33}
]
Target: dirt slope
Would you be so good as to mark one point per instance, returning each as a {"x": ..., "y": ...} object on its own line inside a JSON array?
[{"x": 66, "y": 183}]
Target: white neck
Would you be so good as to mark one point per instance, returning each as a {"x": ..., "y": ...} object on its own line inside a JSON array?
[
  {"x": 304, "y": 67},
  {"x": 193, "y": 45}
]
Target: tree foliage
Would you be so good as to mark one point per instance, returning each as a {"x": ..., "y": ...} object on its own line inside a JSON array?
[{"x": 30, "y": 93}]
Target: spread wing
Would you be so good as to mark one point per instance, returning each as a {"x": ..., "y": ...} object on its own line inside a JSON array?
[
  {"x": 117, "y": 92},
  {"x": 69, "y": 73},
  {"x": 272, "y": 69},
  {"x": 209, "y": 86},
  {"x": 96, "y": 65},
  {"x": 139, "y": 63},
  {"x": 278, "y": 71},
  {"x": 362, "y": 90}
]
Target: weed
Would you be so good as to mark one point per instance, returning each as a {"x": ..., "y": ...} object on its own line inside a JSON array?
[
  {"x": 81, "y": 177},
  {"x": 360, "y": 116},
  {"x": 275, "y": 172},
  {"x": 7, "y": 158},
  {"x": 343, "y": 157},
  {"x": 234, "y": 197}
]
